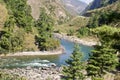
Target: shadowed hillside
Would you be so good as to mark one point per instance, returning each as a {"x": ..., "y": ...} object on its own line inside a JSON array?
[{"x": 100, "y": 3}]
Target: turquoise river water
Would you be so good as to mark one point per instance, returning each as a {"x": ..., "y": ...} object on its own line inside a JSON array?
[{"x": 37, "y": 61}]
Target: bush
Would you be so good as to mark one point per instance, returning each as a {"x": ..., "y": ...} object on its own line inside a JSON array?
[
  {"x": 84, "y": 31},
  {"x": 10, "y": 42},
  {"x": 97, "y": 78},
  {"x": 70, "y": 32}
]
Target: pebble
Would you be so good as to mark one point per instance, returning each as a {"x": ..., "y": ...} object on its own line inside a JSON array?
[{"x": 30, "y": 73}]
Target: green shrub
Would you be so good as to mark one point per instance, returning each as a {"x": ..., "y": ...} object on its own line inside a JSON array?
[
  {"x": 84, "y": 31},
  {"x": 97, "y": 78}
]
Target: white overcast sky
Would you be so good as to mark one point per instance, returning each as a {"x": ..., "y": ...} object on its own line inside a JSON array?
[{"x": 87, "y": 1}]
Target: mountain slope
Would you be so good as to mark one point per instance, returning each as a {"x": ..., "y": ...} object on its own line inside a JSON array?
[
  {"x": 74, "y": 6},
  {"x": 111, "y": 7},
  {"x": 53, "y": 7},
  {"x": 109, "y": 15}
]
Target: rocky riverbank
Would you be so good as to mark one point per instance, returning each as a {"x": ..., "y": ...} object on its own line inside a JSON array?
[
  {"x": 42, "y": 73},
  {"x": 75, "y": 39}
]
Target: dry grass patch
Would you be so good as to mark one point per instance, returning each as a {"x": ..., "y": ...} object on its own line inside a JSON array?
[
  {"x": 3, "y": 15},
  {"x": 29, "y": 42}
]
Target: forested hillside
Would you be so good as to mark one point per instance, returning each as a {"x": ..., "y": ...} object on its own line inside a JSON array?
[
  {"x": 104, "y": 21},
  {"x": 19, "y": 31}
]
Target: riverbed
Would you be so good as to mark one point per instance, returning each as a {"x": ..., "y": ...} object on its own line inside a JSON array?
[{"x": 44, "y": 60}]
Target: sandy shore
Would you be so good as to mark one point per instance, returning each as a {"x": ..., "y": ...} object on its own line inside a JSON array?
[
  {"x": 37, "y": 53},
  {"x": 75, "y": 39}
]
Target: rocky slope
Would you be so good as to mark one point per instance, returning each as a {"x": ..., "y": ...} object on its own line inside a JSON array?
[
  {"x": 60, "y": 10},
  {"x": 53, "y": 8},
  {"x": 74, "y": 6}
]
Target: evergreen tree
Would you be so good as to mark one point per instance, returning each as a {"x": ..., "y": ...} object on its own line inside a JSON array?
[
  {"x": 75, "y": 66},
  {"x": 45, "y": 24},
  {"x": 10, "y": 42},
  {"x": 45, "y": 39},
  {"x": 102, "y": 59},
  {"x": 21, "y": 14},
  {"x": 109, "y": 36},
  {"x": 93, "y": 22}
]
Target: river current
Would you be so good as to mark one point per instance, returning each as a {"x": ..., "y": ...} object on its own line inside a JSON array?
[{"x": 37, "y": 61}]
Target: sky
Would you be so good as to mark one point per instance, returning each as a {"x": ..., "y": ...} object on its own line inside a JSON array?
[{"x": 87, "y": 1}]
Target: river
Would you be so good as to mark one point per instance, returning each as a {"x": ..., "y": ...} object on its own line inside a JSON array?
[{"x": 37, "y": 61}]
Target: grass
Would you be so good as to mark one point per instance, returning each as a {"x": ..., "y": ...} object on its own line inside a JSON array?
[
  {"x": 29, "y": 42},
  {"x": 74, "y": 24}
]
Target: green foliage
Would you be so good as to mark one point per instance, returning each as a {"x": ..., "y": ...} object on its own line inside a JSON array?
[
  {"x": 109, "y": 36},
  {"x": 93, "y": 21},
  {"x": 1, "y": 1},
  {"x": 45, "y": 39},
  {"x": 5, "y": 76},
  {"x": 10, "y": 42},
  {"x": 97, "y": 78},
  {"x": 70, "y": 32},
  {"x": 45, "y": 44},
  {"x": 45, "y": 24},
  {"x": 10, "y": 23},
  {"x": 84, "y": 31},
  {"x": 20, "y": 12},
  {"x": 102, "y": 59},
  {"x": 75, "y": 66},
  {"x": 104, "y": 17},
  {"x": 106, "y": 2}
]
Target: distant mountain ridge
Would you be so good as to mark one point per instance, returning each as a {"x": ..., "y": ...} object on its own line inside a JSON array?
[{"x": 74, "y": 6}]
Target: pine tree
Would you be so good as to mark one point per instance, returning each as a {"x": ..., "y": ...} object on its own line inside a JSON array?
[
  {"x": 75, "y": 66},
  {"x": 102, "y": 59},
  {"x": 45, "y": 25}
]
